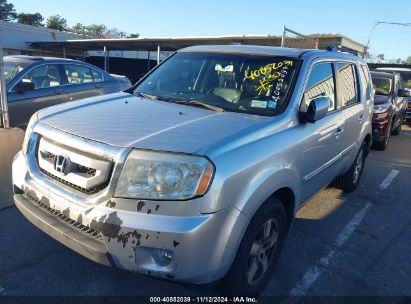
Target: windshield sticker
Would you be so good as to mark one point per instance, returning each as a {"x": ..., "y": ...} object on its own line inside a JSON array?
[
  {"x": 272, "y": 104},
  {"x": 267, "y": 74},
  {"x": 259, "y": 104}
]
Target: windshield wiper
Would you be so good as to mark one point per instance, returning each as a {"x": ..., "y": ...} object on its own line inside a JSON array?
[
  {"x": 200, "y": 104},
  {"x": 148, "y": 96}
]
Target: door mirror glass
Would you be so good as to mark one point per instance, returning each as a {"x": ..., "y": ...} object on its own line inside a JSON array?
[
  {"x": 317, "y": 109},
  {"x": 23, "y": 86}
]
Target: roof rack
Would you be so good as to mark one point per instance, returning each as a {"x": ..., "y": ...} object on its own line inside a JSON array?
[{"x": 332, "y": 48}]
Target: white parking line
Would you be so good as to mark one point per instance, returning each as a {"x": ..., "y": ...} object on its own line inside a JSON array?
[
  {"x": 315, "y": 271},
  {"x": 388, "y": 180}
]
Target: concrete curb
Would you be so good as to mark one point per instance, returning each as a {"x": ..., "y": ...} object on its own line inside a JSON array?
[{"x": 10, "y": 143}]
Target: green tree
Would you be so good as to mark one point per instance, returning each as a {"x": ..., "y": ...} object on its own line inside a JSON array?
[
  {"x": 133, "y": 35},
  {"x": 380, "y": 58},
  {"x": 57, "y": 22},
  {"x": 7, "y": 11},
  {"x": 408, "y": 60},
  {"x": 78, "y": 28},
  {"x": 95, "y": 30},
  {"x": 35, "y": 19}
]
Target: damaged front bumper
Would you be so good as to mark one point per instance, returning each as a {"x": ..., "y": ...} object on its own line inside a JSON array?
[{"x": 191, "y": 247}]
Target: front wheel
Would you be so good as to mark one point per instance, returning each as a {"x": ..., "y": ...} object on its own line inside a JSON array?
[
  {"x": 382, "y": 145},
  {"x": 258, "y": 252},
  {"x": 397, "y": 130},
  {"x": 350, "y": 180}
]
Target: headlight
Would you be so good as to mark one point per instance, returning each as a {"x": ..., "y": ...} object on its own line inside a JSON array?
[
  {"x": 380, "y": 108},
  {"x": 164, "y": 176},
  {"x": 29, "y": 129}
]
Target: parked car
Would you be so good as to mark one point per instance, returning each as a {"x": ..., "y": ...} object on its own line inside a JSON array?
[
  {"x": 195, "y": 174},
  {"x": 34, "y": 83},
  {"x": 406, "y": 77},
  {"x": 390, "y": 104}
]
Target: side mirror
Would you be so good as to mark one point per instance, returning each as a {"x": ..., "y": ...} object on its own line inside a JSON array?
[
  {"x": 22, "y": 87},
  {"x": 317, "y": 109},
  {"x": 403, "y": 93}
]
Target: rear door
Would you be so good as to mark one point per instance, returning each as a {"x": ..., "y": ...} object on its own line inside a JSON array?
[
  {"x": 82, "y": 81},
  {"x": 399, "y": 103},
  {"x": 49, "y": 90},
  {"x": 323, "y": 139},
  {"x": 352, "y": 110}
]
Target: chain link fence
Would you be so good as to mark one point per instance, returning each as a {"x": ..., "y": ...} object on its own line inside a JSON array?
[{"x": 292, "y": 39}]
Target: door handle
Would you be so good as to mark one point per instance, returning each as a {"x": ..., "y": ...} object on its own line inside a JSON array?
[
  {"x": 361, "y": 117},
  {"x": 58, "y": 92},
  {"x": 98, "y": 86},
  {"x": 338, "y": 132}
]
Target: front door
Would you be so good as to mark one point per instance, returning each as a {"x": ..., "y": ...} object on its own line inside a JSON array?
[
  {"x": 48, "y": 90},
  {"x": 323, "y": 139}
]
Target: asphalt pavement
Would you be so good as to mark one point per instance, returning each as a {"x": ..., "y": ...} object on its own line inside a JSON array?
[{"x": 340, "y": 245}]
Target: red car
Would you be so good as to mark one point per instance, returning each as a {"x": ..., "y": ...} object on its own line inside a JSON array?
[{"x": 390, "y": 104}]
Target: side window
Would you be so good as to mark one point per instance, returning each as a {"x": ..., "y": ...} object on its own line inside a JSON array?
[
  {"x": 348, "y": 84},
  {"x": 367, "y": 83},
  {"x": 77, "y": 74},
  {"x": 44, "y": 76},
  {"x": 321, "y": 83},
  {"x": 97, "y": 76}
]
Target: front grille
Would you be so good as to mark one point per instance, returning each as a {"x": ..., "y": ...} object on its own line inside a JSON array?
[
  {"x": 83, "y": 172},
  {"x": 78, "y": 226},
  {"x": 90, "y": 191},
  {"x": 79, "y": 168}
]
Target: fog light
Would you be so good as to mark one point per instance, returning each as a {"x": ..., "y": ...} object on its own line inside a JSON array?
[{"x": 163, "y": 257}]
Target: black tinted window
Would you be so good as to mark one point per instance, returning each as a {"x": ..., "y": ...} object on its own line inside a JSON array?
[
  {"x": 348, "y": 85},
  {"x": 321, "y": 83}
]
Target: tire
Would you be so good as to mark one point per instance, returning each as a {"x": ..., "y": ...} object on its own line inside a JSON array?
[
  {"x": 397, "y": 130},
  {"x": 251, "y": 257},
  {"x": 382, "y": 145},
  {"x": 350, "y": 180}
]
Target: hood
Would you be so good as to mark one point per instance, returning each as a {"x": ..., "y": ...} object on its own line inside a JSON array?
[
  {"x": 379, "y": 99},
  {"x": 126, "y": 120}
]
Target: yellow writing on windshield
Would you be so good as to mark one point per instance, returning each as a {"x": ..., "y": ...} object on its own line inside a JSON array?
[{"x": 267, "y": 69}]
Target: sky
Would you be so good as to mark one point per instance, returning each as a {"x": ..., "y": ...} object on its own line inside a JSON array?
[{"x": 182, "y": 18}]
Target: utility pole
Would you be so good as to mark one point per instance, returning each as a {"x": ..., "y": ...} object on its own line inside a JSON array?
[
  {"x": 3, "y": 92},
  {"x": 382, "y": 22}
]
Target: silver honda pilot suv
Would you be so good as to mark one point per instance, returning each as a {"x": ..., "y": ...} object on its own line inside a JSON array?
[{"x": 195, "y": 173}]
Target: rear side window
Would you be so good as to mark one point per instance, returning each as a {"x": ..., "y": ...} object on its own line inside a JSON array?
[
  {"x": 321, "y": 83},
  {"x": 77, "y": 74},
  {"x": 348, "y": 84},
  {"x": 97, "y": 76},
  {"x": 366, "y": 82}
]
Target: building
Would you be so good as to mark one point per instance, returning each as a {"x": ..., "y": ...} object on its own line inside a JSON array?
[{"x": 16, "y": 39}]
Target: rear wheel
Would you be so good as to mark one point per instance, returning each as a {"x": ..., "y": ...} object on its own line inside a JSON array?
[
  {"x": 350, "y": 180},
  {"x": 258, "y": 252}
]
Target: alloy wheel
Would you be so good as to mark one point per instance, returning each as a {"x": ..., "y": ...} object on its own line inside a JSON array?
[{"x": 262, "y": 251}]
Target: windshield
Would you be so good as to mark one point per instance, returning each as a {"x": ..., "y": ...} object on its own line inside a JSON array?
[
  {"x": 382, "y": 86},
  {"x": 13, "y": 67},
  {"x": 406, "y": 78},
  {"x": 244, "y": 83}
]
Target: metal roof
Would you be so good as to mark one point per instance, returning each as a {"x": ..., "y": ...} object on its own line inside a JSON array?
[{"x": 176, "y": 43}]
